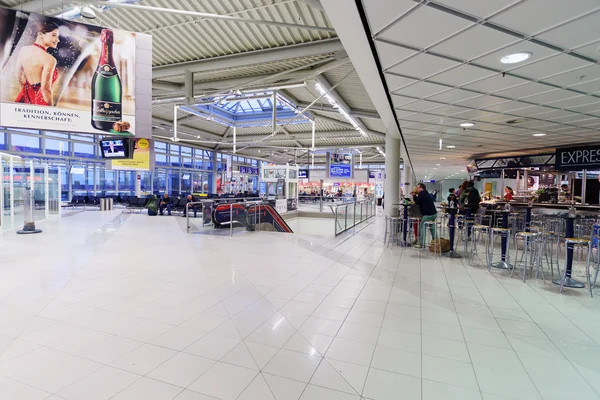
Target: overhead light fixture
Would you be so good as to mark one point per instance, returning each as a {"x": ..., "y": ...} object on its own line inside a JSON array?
[
  {"x": 88, "y": 12},
  {"x": 442, "y": 158},
  {"x": 539, "y": 134},
  {"x": 463, "y": 170},
  {"x": 438, "y": 165},
  {"x": 450, "y": 147},
  {"x": 340, "y": 109},
  {"x": 515, "y": 57},
  {"x": 467, "y": 124}
]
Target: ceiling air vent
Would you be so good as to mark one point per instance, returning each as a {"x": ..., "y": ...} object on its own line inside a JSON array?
[{"x": 516, "y": 121}]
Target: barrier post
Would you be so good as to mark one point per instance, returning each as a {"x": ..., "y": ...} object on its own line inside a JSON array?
[{"x": 187, "y": 217}]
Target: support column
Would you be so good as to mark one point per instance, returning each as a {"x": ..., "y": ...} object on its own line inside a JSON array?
[
  {"x": 392, "y": 175},
  {"x": 408, "y": 183},
  {"x": 213, "y": 179},
  {"x": 138, "y": 183}
]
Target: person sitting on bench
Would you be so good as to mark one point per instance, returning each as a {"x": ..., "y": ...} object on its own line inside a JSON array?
[
  {"x": 193, "y": 207},
  {"x": 165, "y": 202}
]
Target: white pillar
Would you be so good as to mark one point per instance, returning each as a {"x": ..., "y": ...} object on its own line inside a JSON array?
[
  {"x": 408, "y": 182},
  {"x": 138, "y": 183},
  {"x": 214, "y": 173},
  {"x": 392, "y": 175}
]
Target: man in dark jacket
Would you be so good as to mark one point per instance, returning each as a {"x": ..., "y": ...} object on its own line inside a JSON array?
[
  {"x": 193, "y": 207},
  {"x": 165, "y": 202},
  {"x": 428, "y": 211}
]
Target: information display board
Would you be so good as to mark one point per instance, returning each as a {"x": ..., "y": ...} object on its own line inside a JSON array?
[
  {"x": 62, "y": 75},
  {"x": 340, "y": 165},
  {"x": 248, "y": 170},
  {"x": 140, "y": 161}
]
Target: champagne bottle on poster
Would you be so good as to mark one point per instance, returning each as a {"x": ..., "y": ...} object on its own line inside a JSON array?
[{"x": 106, "y": 87}]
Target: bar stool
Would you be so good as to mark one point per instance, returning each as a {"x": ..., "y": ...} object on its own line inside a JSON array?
[
  {"x": 412, "y": 222},
  {"x": 549, "y": 240},
  {"x": 581, "y": 243},
  {"x": 467, "y": 231},
  {"x": 443, "y": 218},
  {"x": 431, "y": 227},
  {"x": 478, "y": 231},
  {"x": 395, "y": 224},
  {"x": 503, "y": 233},
  {"x": 530, "y": 253},
  {"x": 515, "y": 222}
]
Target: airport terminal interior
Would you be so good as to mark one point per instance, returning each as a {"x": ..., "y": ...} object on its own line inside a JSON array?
[{"x": 299, "y": 199}]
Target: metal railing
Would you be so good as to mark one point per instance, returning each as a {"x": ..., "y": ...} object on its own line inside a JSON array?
[
  {"x": 349, "y": 215},
  {"x": 309, "y": 202},
  {"x": 210, "y": 205}
]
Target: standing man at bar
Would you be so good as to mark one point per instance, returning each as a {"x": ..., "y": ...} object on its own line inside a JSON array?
[{"x": 428, "y": 211}]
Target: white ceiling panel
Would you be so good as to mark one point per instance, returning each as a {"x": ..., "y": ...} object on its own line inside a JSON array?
[
  {"x": 547, "y": 14},
  {"x": 482, "y": 102},
  {"x": 552, "y": 66},
  {"x": 424, "y": 27},
  {"x": 421, "y": 105},
  {"x": 588, "y": 87},
  {"x": 450, "y": 110},
  {"x": 495, "y": 83},
  {"x": 547, "y": 97},
  {"x": 528, "y": 89},
  {"x": 573, "y": 102},
  {"x": 591, "y": 50},
  {"x": 453, "y": 96},
  {"x": 577, "y": 77},
  {"x": 588, "y": 108},
  {"x": 460, "y": 75},
  {"x": 401, "y": 100},
  {"x": 422, "y": 89},
  {"x": 481, "y": 41},
  {"x": 472, "y": 114},
  {"x": 381, "y": 13},
  {"x": 507, "y": 107},
  {"x": 574, "y": 34},
  {"x": 524, "y": 112},
  {"x": 538, "y": 52},
  {"x": 423, "y": 65},
  {"x": 479, "y": 8},
  {"x": 390, "y": 54},
  {"x": 395, "y": 82}
]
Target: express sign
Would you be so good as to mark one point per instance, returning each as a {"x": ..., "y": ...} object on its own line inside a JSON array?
[{"x": 578, "y": 158}]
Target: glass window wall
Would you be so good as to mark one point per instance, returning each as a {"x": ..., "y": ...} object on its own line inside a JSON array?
[{"x": 179, "y": 169}]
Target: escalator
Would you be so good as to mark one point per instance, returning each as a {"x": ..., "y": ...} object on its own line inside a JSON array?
[
  {"x": 249, "y": 216},
  {"x": 267, "y": 214}
]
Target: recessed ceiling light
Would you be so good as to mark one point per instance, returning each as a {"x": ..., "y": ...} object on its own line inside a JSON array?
[
  {"x": 435, "y": 169},
  {"x": 442, "y": 158},
  {"x": 515, "y": 57},
  {"x": 467, "y": 124},
  {"x": 539, "y": 134},
  {"x": 463, "y": 170},
  {"x": 438, "y": 165},
  {"x": 450, "y": 147}
]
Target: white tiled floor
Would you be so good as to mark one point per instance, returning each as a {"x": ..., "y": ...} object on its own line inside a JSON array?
[{"x": 111, "y": 306}]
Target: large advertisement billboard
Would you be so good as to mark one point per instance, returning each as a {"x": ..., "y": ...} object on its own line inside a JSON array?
[
  {"x": 66, "y": 76},
  {"x": 339, "y": 165}
]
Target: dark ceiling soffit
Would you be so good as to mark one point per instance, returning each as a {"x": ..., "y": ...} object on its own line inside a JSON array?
[{"x": 365, "y": 22}]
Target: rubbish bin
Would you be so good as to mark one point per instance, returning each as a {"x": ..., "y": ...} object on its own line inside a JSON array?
[
  {"x": 110, "y": 203},
  {"x": 379, "y": 199},
  {"x": 103, "y": 204}
]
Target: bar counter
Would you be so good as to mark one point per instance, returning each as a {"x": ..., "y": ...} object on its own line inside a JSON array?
[{"x": 552, "y": 207}]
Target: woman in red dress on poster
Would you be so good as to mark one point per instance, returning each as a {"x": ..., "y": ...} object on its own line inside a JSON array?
[{"x": 36, "y": 68}]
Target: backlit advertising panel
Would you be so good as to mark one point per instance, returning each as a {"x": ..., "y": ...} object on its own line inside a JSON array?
[
  {"x": 61, "y": 75},
  {"x": 339, "y": 165}
]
